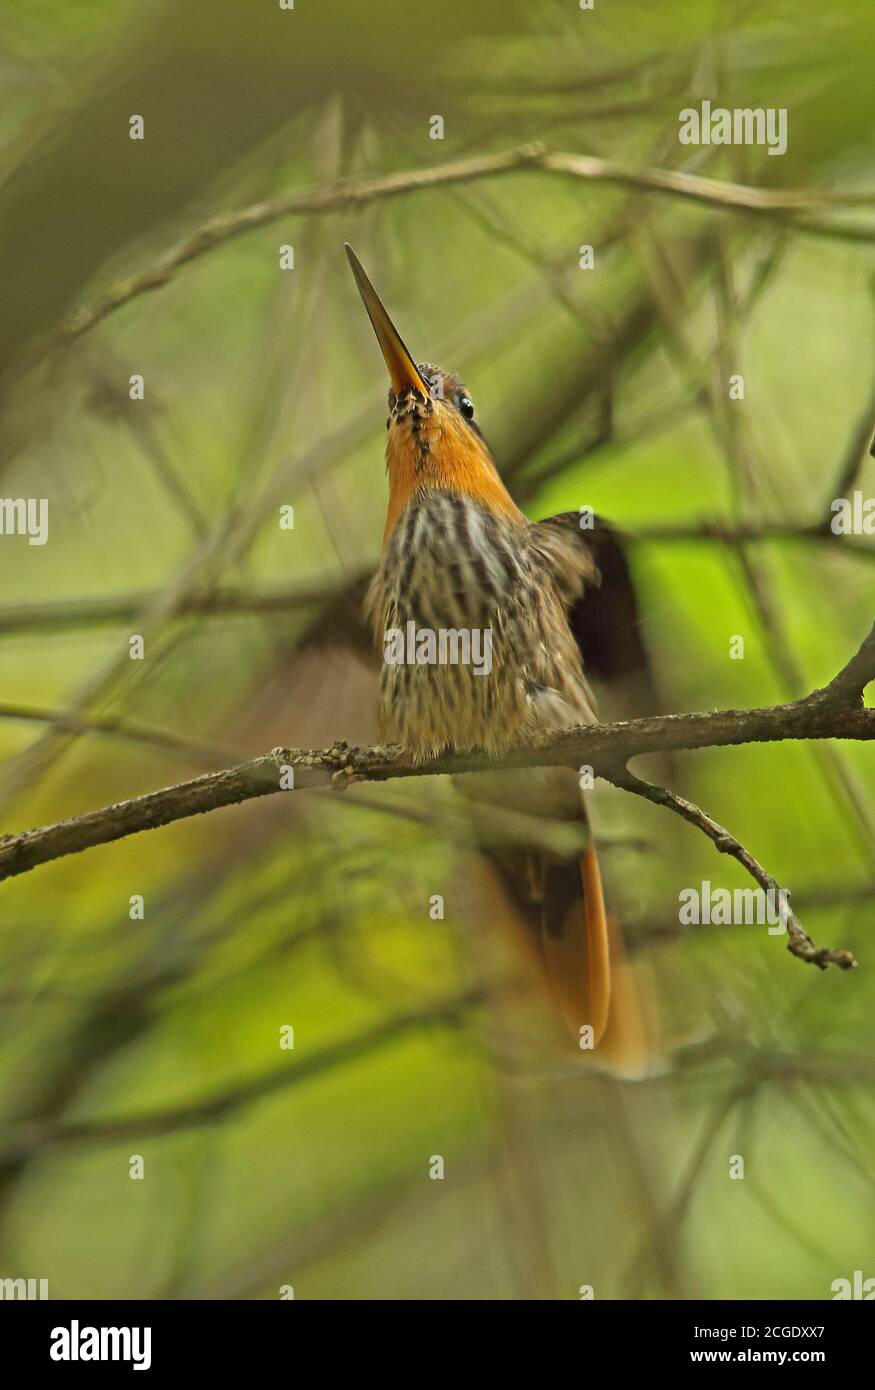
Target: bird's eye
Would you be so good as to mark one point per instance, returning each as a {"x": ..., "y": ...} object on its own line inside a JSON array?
[{"x": 466, "y": 405}]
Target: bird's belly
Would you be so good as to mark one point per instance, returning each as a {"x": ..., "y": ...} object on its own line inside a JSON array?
[
  {"x": 476, "y": 648},
  {"x": 465, "y": 667},
  {"x": 448, "y": 683}
]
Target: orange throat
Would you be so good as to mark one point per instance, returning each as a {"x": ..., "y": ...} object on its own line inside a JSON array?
[{"x": 429, "y": 447}]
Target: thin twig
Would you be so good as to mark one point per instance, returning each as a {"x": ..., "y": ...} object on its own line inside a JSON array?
[
  {"x": 115, "y": 726},
  {"x": 799, "y": 943}
]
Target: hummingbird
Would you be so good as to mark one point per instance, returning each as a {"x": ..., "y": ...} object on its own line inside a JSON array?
[{"x": 459, "y": 556}]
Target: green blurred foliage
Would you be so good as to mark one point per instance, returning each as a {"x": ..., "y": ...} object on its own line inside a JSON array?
[{"x": 265, "y": 388}]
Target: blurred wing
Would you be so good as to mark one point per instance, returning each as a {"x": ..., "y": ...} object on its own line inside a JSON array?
[{"x": 606, "y": 619}]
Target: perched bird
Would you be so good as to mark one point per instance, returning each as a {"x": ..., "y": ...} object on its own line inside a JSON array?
[{"x": 459, "y": 557}]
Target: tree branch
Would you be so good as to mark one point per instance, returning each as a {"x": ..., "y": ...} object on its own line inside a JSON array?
[
  {"x": 60, "y": 615},
  {"x": 734, "y": 534},
  {"x": 799, "y": 943},
  {"x": 835, "y": 711},
  {"x": 35, "y": 1136},
  {"x": 161, "y": 739},
  {"x": 348, "y": 194}
]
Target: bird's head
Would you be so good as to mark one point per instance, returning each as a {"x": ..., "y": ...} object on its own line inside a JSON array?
[{"x": 434, "y": 440}]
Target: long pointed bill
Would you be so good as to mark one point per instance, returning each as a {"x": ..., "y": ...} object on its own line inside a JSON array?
[{"x": 403, "y": 370}]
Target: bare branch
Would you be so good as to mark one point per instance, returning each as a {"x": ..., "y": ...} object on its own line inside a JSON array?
[
  {"x": 738, "y": 196},
  {"x": 844, "y": 693},
  {"x": 799, "y": 943},
  {"x": 743, "y": 533},
  {"x": 62, "y": 614},
  {"x": 859, "y": 443},
  {"x": 348, "y": 194},
  {"x": 836, "y": 711},
  {"x": 36, "y": 1136},
  {"x": 203, "y": 754},
  {"x": 847, "y": 687}
]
